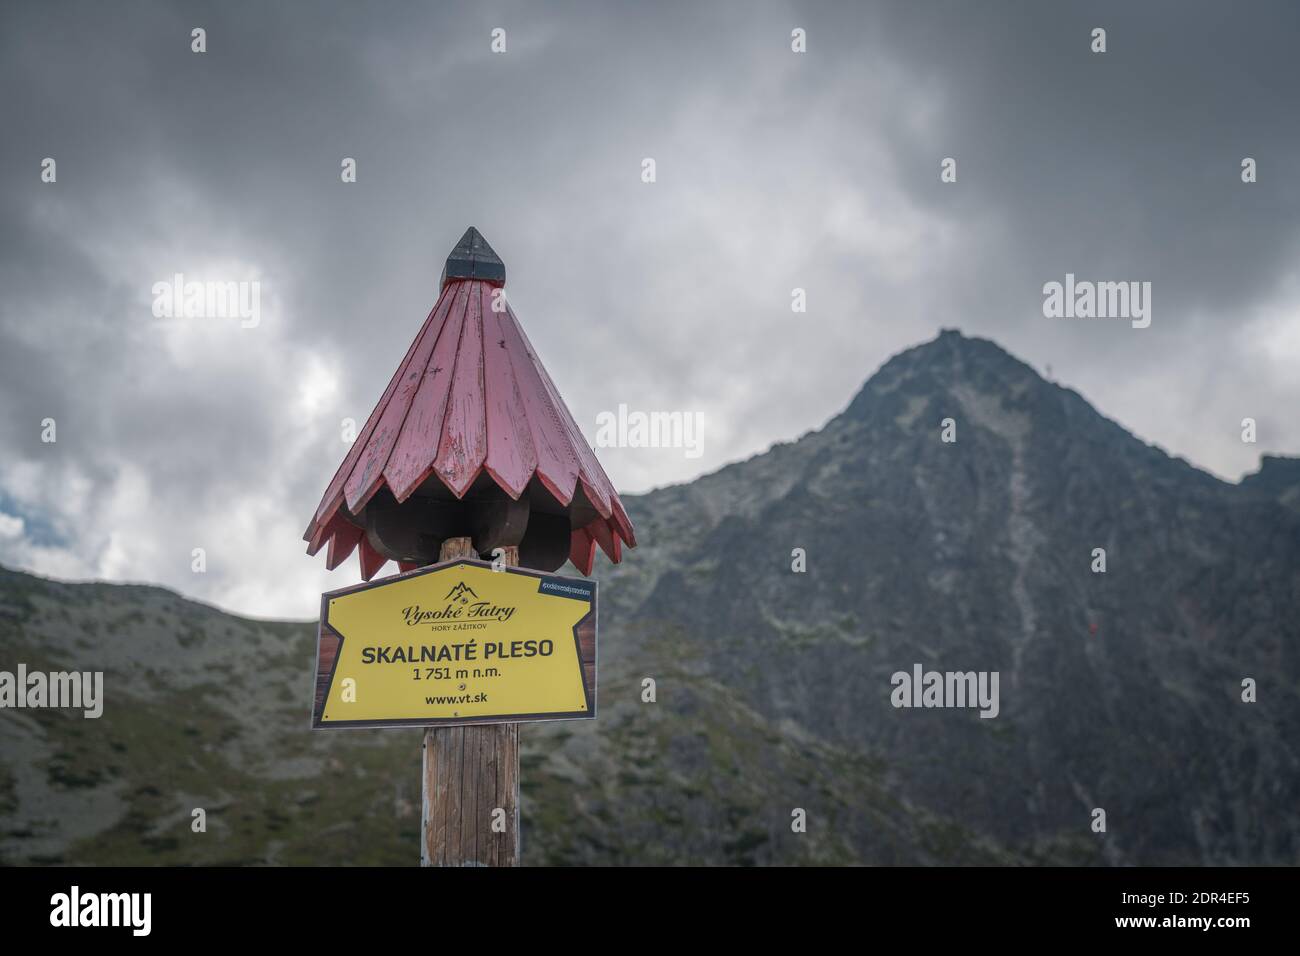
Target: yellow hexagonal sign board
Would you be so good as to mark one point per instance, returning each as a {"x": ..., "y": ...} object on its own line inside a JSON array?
[{"x": 457, "y": 643}]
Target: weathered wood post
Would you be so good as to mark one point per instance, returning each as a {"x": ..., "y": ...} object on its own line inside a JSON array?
[
  {"x": 470, "y": 454},
  {"x": 470, "y": 775}
]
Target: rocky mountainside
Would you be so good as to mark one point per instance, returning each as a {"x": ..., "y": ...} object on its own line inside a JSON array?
[{"x": 1119, "y": 690}]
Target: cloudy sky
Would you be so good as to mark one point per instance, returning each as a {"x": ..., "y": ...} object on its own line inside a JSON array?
[{"x": 775, "y": 170}]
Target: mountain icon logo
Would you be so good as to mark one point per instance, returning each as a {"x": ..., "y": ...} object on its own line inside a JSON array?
[{"x": 459, "y": 592}]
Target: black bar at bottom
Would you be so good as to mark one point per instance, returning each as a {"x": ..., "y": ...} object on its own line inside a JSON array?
[{"x": 330, "y": 906}]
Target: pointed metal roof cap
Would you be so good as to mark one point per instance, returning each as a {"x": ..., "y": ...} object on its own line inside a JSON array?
[{"x": 473, "y": 258}]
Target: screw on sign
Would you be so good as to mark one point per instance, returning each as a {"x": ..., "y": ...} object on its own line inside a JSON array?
[{"x": 470, "y": 454}]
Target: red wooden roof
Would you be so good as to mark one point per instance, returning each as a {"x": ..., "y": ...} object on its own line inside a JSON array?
[{"x": 471, "y": 396}]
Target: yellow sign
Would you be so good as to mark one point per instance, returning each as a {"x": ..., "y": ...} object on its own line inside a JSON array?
[{"x": 457, "y": 643}]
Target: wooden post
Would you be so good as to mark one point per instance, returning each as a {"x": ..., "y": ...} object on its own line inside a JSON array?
[{"x": 469, "y": 774}]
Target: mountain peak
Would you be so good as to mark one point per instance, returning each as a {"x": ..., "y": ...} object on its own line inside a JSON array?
[
  {"x": 953, "y": 348},
  {"x": 949, "y": 358}
]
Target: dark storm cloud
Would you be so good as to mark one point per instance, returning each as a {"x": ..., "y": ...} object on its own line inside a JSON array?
[{"x": 775, "y": 171}]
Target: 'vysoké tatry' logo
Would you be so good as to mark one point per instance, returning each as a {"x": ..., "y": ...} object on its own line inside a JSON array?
[{"x": 460, "y": 605}]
